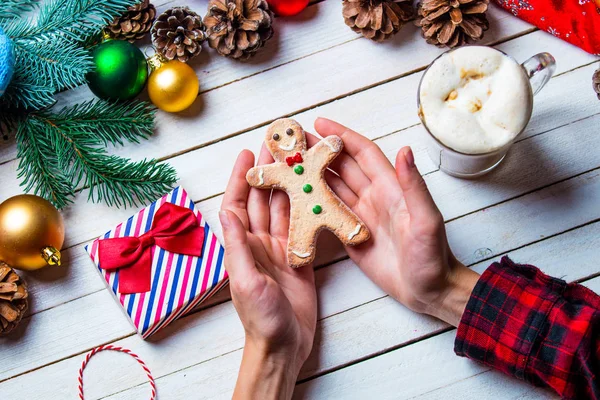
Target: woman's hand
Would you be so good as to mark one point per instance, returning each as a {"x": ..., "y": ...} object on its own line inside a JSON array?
[
  {"x": 276, "y": 304},
  {"x": 408, "y": 254}
]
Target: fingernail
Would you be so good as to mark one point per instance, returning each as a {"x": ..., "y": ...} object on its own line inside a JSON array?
[
  {"x": 409, "y": 157},
  {"x": 224, "y": 219}
]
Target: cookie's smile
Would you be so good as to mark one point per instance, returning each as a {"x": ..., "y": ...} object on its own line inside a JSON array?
[{"x": 289, "y": 146}]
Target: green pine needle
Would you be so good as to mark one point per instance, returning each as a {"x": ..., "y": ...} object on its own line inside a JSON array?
[
  {"x": 107, "y": 122},
  {"x": 68, "y": 149},
  {"x": 118, "y": 181},
  {"x": 58, "y": 152},
  {"x": 63, "y": 65},
  {"x": 24, "y": 92},
  {"x": 50, "y": 49},
  {"x": 70, "y": 19},
  {"x": 10, "y": 9},
  {"x": 38, "y": 165}
]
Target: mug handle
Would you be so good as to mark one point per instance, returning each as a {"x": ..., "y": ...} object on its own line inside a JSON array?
[{"x": 539, "y": 70}]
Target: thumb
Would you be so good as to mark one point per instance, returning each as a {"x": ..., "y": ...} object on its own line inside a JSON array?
[
  {"x": 418, "y": 200},
  {"x": 239, "y": 260}
]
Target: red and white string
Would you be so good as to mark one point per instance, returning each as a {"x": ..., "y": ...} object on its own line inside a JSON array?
[{"x": 122, "y": 350}]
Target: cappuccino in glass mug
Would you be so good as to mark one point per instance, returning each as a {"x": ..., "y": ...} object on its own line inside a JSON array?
[{"x": 474, "y": 101}]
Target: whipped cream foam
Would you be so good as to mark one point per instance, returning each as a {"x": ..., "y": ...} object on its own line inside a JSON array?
[{"x": 475, "y": 99}]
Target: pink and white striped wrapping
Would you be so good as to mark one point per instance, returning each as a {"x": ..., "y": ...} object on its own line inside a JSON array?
[{"x": 179, "y": 282}]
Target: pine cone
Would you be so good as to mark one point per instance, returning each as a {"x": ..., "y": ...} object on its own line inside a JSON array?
[
  {"x": 452, "y": 23},
  {"x": 238, "y": 28},
  {"x": 377, "y": 19},
  {"x": 13, "y": 298},
  {"x": 134, "y": 24},
  {"x": 178, "y": 33},
  {"x": 596, "y": 82}
]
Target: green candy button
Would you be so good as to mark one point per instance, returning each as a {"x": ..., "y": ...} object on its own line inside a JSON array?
[
  {"x": 299, "y": 169},
  {"x": 317, "y": 209},
  {"x": 307, "y": 188}
]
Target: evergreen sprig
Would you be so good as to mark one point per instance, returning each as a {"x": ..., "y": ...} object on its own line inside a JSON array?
[
  {"x": 10, "y": 9},
  {"x": 25, "y": 92},
  {"x": 50, "y": 48},
  {"x": 63, "y": 152},
  {"x": 60, "y": 152},
  {"x": 61, "y": 66},
  {"x": 108, "y": 122},
  {"x": 72, "y": 19},
  {"x": 39, "y": 166}
]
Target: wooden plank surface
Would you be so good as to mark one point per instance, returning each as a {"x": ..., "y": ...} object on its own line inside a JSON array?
[
  {"x": 541, "y": 205},
  {"x": 192, "y": 164},
  {"x": 337, "y": 286},
  {"x": 468, "y": 243},
  {"x": 218, "y": 158},
  {"x": 427, "y": 369},
  {"x": 517, "y": 176},
  {"x": 314, "y": 27},
  {"x": 308, "y": 80}
]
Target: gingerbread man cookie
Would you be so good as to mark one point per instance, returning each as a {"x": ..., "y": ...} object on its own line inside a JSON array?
[{"x": 313, "y": 205}]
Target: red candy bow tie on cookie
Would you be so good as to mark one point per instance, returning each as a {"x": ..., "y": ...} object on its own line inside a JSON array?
[
  {"x": 297, "y": 158},
  {"x": 175, "y": 229}
]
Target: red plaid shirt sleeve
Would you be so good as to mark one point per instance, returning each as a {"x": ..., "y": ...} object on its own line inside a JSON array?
[{"x": 534, "y": 327}]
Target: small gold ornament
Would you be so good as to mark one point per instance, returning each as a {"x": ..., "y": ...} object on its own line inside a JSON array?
[
  {"x": 31, "y": 232},
  {"x": 172, "y": 86}
]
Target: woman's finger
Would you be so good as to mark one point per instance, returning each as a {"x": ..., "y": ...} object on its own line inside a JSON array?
[
  {"x": 280, "y": 214},
  {"x": 258, "y": 199},
  {"x": 235, "y": 198},
  {"x": 342, "y": 190},
  {"x": 367, "y": 154},
  {"x": 419, "y": 203},
  {"x": 347, "y": 168},
  {"x": 239, "y": 260}
]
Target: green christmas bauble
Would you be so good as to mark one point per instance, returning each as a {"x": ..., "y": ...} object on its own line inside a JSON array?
[{"x": 120, "y": 70}]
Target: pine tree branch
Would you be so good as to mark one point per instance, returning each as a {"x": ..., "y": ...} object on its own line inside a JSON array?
[
  {"x": 74, "y": 20},
  {"x": 39, "y": 166},
  {"x": 49, "y": 49},
  {"x": 119, "y": 181},
  {"x": 77, "y": 138},
  {"x": 114, "y": 180},
  {"x": 25, "y": 93},
  {"x": 10, "y": 9},
  {"x": 63, "y": 65},
  {"x": 109, "y": 122}
]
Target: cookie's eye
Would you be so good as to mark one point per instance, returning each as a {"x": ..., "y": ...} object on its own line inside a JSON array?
[
  {"x": 289, "y": 131},
  {"x": 276, "y": 136}
]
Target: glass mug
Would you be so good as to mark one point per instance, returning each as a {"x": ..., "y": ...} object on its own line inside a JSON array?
[{"x": 539, "y": 69}]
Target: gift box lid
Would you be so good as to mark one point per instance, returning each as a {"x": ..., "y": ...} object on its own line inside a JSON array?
[{"x": 179, "y": 282}]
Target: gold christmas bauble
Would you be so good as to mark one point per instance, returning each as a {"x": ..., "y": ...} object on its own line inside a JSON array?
[
  {"x": 32, "y": 232},
  {"x": 173, "y": 86}
]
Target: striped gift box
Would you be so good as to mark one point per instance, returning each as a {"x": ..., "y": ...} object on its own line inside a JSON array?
[{"x": 179, "y": 282}]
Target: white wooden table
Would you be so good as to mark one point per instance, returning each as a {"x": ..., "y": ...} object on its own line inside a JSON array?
[{"x": 540, "y": 206}]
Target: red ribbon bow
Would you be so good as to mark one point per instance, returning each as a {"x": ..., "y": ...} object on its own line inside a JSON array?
[
  {"x": 175, "y": 229},
  {"x": 297, "y": 158}
]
